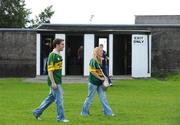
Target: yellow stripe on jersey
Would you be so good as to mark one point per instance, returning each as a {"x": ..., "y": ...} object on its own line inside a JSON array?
[
  {"x": 50, "y": 67},
  {"x": 92, "y": 69},
  {"x": 56, "y": 66},
  {"x": 97, "y": 71}
]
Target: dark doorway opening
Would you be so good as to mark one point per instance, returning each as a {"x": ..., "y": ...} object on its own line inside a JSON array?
[
  {"x": 46, "y": 48},
  {"x": 74, "y": 54},
  {"x": 122, "y": 54}
]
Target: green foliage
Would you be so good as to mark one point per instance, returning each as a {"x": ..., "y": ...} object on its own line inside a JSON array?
[
  {"x": 172, "y": 76},
  {"x": 135, "y": 102},
  {"x": 43, "y": 17},
  {"x": 13, "y": 14}
]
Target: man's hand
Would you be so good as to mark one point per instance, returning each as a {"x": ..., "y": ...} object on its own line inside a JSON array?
[{"x": 54, "y": 86}]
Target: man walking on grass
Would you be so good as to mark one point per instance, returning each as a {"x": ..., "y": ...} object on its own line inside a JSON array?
[{"x": 54, "y": 82}]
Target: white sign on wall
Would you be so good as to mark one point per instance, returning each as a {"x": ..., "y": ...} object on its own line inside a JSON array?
[
  {"x": 139, "y": 40},
  {"x": 141, "y": 52}
]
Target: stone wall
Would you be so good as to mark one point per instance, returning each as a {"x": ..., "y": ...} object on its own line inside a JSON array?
[
  {"x": 17, "y": 53},
  {"x": 165, "y": 49}
]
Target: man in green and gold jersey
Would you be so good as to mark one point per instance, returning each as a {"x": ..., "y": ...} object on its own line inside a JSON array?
[{"x": 54, "y": 82}]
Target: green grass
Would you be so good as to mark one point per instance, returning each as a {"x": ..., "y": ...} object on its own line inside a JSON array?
[{"x": 135, "y": 102}]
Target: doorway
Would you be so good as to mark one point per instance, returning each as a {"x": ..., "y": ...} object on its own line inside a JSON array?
[
  {"x": 46, "y": 48},
  {"x": 74, "y": 54},
  {"x": 122, "y": 54}
]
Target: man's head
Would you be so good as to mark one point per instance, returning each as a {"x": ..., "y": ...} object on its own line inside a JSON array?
[
  {"x": 58, "y": 44},
  {"x": 81, "y": 47},
  {"x": 101, "y": 46}
]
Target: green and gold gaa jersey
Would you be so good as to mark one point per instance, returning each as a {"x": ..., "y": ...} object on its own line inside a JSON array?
[
  {"x": 55, "y": 64},
  {"x": 94, "y": 67}
]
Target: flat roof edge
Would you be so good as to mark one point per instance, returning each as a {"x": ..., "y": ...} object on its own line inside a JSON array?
[
  {"x": 110, "y": 25},
  {"x": 110, "y": 30},
  {"x": 17, "y": 29}
]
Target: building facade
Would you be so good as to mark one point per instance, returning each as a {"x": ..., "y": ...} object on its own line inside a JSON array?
[
  {"x": 122, "y": 43},
  {"x": 137, "y": 50}
]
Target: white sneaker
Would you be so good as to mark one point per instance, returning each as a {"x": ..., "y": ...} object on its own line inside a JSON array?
[
  {"x": 38, "y": 118},
  {"x": 113, "y": 115},
  {"x": 65, "y": 120}
]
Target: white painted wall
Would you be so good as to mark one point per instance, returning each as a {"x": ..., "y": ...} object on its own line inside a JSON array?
[
  {"x": 88, "y": 50},
  {"x": 140, "y": 56},
  {"x": 150, "y": 45},
  {"x": 38, "y": 54},
  {"x": 111, "y": 54},
  {"x": 63, "y": 36}
]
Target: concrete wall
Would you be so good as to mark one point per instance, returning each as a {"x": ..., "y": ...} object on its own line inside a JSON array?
[
  {"x": 157, "y": 19},
  {"x": 17, "y": 53},
  {"x": 165, "y": 40},
  {"x": 165, "y": 49}
]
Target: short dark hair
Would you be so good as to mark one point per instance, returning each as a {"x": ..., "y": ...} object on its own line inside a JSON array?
[
  {"x": 57, "y": 41},
  {"x": 101, "y": 45}
]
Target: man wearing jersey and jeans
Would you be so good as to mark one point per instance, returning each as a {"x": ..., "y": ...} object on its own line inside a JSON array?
[{"x": 54, "y": 82}]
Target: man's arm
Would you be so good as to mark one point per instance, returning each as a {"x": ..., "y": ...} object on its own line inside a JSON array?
[{"x": 53, "y": 83}]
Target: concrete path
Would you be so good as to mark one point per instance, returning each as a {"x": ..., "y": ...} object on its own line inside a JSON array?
[{"x": 70, "y": 79}]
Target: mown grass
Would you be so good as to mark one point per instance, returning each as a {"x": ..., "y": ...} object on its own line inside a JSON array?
[{"x": 135, "y": 102}]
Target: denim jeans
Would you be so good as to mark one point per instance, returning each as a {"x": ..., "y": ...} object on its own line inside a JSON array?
[
  {"x": 45, "y": 65},
  {"x": 106, "y": 69},
  {"x": 54, "y": 95},
  {"x": 91, "y": 93}
]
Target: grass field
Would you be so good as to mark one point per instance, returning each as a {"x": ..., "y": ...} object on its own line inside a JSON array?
[{"x": 135, "y": 102}]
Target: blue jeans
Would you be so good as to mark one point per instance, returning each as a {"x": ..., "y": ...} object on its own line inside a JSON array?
[
  {"x": 54, "y": 95},
  {"x": 91, "y": 93},
  {"x": 106, "y": 69}
]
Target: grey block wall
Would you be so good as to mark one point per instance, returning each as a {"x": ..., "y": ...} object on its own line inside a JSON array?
[
  {"x": 17, "y": 53},
  {"x": 165, "y": 49},
  {"x": 165, "y": 40},
  {"x": 157, "y": 19}
]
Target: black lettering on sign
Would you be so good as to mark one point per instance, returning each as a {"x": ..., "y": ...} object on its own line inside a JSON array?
[{"x": 138, "y": 39}]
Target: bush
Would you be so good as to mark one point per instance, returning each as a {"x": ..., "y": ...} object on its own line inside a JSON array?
[{"x": 172, "y": 76}]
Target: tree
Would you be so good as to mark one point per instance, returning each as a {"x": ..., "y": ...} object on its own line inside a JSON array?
[
  {"x": 43, "y": 17},
  {"x": 13, "y": 14}
]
